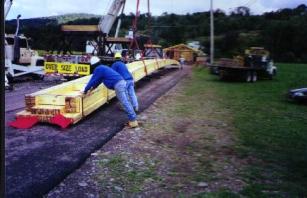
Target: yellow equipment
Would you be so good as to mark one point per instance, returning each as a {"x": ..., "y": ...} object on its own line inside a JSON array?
[
  {"x": 117, "y": 55},
  {"x": 66, "y": 102}
]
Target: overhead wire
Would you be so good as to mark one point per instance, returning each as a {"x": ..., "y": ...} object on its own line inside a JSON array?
[{"x": 248, "y": 4}]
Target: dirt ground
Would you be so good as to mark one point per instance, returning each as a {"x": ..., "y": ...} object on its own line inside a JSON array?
[{"x": 171, "y": 154}]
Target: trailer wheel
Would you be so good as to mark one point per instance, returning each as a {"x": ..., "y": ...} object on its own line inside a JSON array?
[
  {"x": 69, "y": 78},
  {"x": 272, "y": 75},
  {"x": 222, "y": 75},
  {"x": 254, "y": 77},
  {"x": 248, "y": 76},
  {"x": 10, "y": 78},
  {"x": 38, "y": 76}
]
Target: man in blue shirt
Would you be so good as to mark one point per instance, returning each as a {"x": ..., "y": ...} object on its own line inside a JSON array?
[
  {"x": 122, "y": 69},
  {"x": 112, "y": 80}
]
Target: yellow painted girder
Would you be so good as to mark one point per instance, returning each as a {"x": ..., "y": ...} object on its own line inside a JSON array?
[{"x": 67, "y": 100}]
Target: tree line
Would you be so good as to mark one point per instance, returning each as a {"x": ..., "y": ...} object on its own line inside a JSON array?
[{"x": 282, "y": 32}]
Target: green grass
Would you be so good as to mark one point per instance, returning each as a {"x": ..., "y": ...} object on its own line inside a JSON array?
[
  {"x": 131, "y": 180},
  {"x": 267, "y": 126},
  {"x": 219, "y": 194}
]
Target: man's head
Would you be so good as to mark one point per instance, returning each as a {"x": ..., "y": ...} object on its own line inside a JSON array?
[
  {"x": 94, "y": 60},
  {"x": 117, "y": 56}
]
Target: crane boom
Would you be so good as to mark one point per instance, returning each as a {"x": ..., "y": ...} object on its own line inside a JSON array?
[
  {"x": 107, "y": 21},
  {"x": 7, "y": 7}
]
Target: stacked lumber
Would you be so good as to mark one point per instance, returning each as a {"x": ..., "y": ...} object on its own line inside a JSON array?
[{"x": 66, "y": 100}]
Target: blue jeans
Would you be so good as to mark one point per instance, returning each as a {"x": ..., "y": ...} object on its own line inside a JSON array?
[
  {"x": 122, "y": 96},
  {"x": 131, "y": 94}
]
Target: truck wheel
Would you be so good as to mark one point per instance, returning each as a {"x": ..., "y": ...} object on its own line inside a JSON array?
[
  {"x": 69, "y": 78},
  {"x": 254, "y": 77},
  {"x": 248, "y": 76},
  {"x": 222, "y": 75},
  {"x": 272, "y": 75},
  {"x": 38, "y": 76},
  {"x": 10, "y": 78}
]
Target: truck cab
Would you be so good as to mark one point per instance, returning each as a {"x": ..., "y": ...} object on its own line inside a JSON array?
[
  {"x": 17, "y": 50},
  {"x": 258, "y": 57}
]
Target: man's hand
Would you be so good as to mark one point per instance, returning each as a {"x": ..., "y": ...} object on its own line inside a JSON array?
[{"x": 82, "y": 94}]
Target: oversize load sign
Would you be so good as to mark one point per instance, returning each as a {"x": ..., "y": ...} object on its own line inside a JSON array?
[{"x": 66, "y": 68}]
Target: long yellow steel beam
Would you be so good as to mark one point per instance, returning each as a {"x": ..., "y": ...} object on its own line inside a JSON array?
[{"x": 65, "y": 99}]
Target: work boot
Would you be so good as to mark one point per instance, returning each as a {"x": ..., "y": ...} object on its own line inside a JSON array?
[{"x": 133, "y": 124}]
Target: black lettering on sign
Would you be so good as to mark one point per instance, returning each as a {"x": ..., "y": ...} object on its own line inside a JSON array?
[
  {"x": 82, "y": 69},
  {"x": 66, "y": 67},
  {"x": 51, "y": 66}
]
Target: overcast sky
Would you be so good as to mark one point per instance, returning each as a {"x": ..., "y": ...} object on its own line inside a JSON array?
[{"x": 42, "y": 8}]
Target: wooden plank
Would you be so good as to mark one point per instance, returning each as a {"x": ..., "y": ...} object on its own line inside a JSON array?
[
  {"x": 118, "y": 40},
  {"x": 67, "y": 100},
  {"x": 94, "y": 100},
  {"x": 152, "y": 46},
  {"x": 80, "y": 28}
]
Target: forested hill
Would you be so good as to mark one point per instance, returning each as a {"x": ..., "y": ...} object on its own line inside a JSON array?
[
  {"x": 53, "y": 20},
  {"x": 283, "y": 32}
]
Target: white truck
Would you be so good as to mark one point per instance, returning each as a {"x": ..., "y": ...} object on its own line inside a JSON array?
[
  {"x": 20, "y": 59},
  {"x": 255, "y": 64}
]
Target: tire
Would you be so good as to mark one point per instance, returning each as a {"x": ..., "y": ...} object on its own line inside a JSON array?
[
  {"x": 38, "y": 76},
  {"x": 248, "y": 76},
  {"x": 69, "y": 78},
  {"x": 272, "y": 75},
  {"x": 10, "y": 78},
  {"x": 254, "y": 77},
  {"x": 222, "y": 75}
]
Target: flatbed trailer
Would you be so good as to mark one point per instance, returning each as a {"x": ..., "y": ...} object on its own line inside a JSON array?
[
  {"x": 254, "y": 64},
  {"x": 246, "y": 70},
  {"x": 248, "y": 74}
]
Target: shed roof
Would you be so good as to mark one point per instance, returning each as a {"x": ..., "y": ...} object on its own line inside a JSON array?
[{"x": 182, "y": 46}]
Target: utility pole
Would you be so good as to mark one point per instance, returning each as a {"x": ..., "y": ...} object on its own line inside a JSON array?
[{"x": 211, "y": 33}]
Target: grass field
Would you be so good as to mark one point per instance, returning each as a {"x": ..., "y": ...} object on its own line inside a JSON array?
[
  {"x": 237, "y": 139},
  {"x": 268, "y": 127}
]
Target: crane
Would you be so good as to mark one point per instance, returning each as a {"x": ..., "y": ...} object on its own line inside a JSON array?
[
  {"x": 106, "y": 22},
  {"x": 103, "y": 45},
  {"x": 7, "y": 7},
  {"x": 102, "y": 30},
  {"x": 69, "y": 65}
]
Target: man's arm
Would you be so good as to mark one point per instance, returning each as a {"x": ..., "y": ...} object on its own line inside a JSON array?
[{"x": 92, "y": 84}]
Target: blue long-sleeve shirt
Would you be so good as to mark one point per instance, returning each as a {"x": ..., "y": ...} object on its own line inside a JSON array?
[
  {"x": 122, "y": 69},
  {"x": 103, "y": 74}
]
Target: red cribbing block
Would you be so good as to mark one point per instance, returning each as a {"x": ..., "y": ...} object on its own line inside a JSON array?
[
  {"x": 60, "y": 120},
  {"x": 24, "y": 122}
]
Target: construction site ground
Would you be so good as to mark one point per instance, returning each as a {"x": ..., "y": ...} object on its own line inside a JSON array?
[
  {"x": 201, "y": 137},
  {"x": 184, "y": 147},
  {"x": 205, "y": 138},
  {"x": 39, "y": 158}
]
